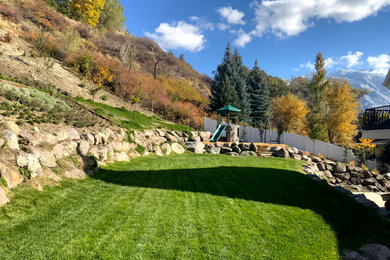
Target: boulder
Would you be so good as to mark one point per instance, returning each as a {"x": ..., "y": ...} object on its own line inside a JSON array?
[
  {"x": 376, "y": 251},
  {"x": 73, "y": 134},
  {"x": 83, "y": 148},
  {"x": 47, "y": 159},
  {"x": 49, "y": 138},
  {"x": 117, "y": 146},
  {"x": 58, "y": 151},
  {"x": 194, "y": 146},
  {"x": 294, "y": 150},
  {"x": 26, "y": 138},
  {"x": 128, "y": 147},
  {"x": 253, "y": 147},
  {"x": 121, "y": 157},
  {"x": 248, "y": 153},
  {"x": 102, "y": 138},
  {"x": 369, "y": 181},
  {"x": 103, "y": 154},
  {"x": 11, "y": 140},
  {"x": 3, "y": 197},
  {"x": 236, "y": 149},
  {"x": 173, "y": 134},
  {"x": 170, "y": 138},
  {"x": 379, "y": 177},
  {"x": 225, "y": 150},
  {"x": 89, "y": 138},
  {"x": 387, "y": 175},
  {"x": 177, "y": 148},
  {"x": 356, "y": 174},
  {"x": 94, "y": 151},
  {"x": 232, "y": 154},
  {"x": 159, "y": 132},
  {"x": 205, "y": 136},
  {"x": 157, "y": 150},
  {"x": 75, "y": 174},
  {"x": 98, "y": 139},
  {"x": 321, "y": 166},
  {"x": 275, "y": 148},
  {"x": 353, "y": 255},
  {"x": 166, "y": 148},
  {"x": 214, "y": 150},
  {"x": 282, "y": 152},
  {"x": 9, "y": 125},
  {"x": 328, "y": 174},
  {"x": 244, "y": 147},
  {"x": 367, "y": 174},
  {"x": 12, "y": 177},
  {"x": 70, "y": 148},
  {"x": 306, "y": 158},
  {"x": 340, "y": 168},
  {"x": 111, "y": 135},
  {"x": 30, "y": 162},
  {"x": 342, "y": 175},
  {"x": 316, "y": 159},
  {"x": 296, "y": 157},
  {"x": 62, "y": 135}
]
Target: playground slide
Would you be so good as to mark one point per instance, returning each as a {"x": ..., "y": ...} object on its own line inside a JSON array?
[{"x": 218, "y": 133}]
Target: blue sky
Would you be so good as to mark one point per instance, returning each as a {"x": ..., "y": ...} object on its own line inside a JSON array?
[{"x": 284, "y": 36}]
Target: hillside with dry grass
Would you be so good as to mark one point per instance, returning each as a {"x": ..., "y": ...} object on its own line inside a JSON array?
[{"x": 40, "y": 44}]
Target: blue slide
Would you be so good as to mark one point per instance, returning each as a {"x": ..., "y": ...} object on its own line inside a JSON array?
[{"x": 218, "y": 133}]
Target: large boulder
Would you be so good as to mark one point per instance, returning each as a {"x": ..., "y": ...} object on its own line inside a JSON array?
[
  {"x": 340, "y": 168},
  {"x": 73, "y": 134},
  {"x": 157, "y": 150},
  {"x": 50, "y": 139},
  {"x": 205, "y": 136},
  {"x": 9, "y": 125},
  {"x": 170, "y": 138},
  {"x": 166, "y": 148},
  {"x": 58, "y": 151},
  {"x": 225, "y": 150},
  {"x": 75, "y": 174},
  {"x": 3, "y": 197},
  {"x": 214, "y": 150},
  {"x": 121, "y": 157},
  {"x": 194, "y": 137},
  {"x": 47, "y": 158},
  {"x": 236, "y": 149},
  {"x": 62, "y": 135},
  {"x": 195, "y": 146},
  {"x": 103, "y": 154},
  {"x": 248, "y": 153},
  {"x": 94, "y": 151},
  {"x": 342, "y": 175},
  {"x": 70, "y": 148},
  {"x": 244, "y": 147},
  {"x": 89, "y": 138},
  {"x": 12, "y": 177},
  {"x": 282, "y": 152},
  {"x": 296, "y": 157},
  {"x": 83, "y": 148},
  {"x": 177, "y": 148},
  {"x": 29, "y": 161},
  {"x": 376, "y": 251},
  {"x": 369, "y": 181},
  {"x": 11, "y": 140}
]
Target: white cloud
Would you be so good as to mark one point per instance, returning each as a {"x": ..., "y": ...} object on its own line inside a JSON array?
[
  {"x": 242, "y": 38},
  {"x": 307, "y": 65},
  {"x": 352, "y": 59},
  {"x": 290, "y": 17},
  {"x": 202, "y": 23},
  {"x": 223, "y": 26},
  {"x": 330, "y": 62},
  {"x": 379, "y": 64},
  {"x": 232, "y": 16},
  {"x": 179, "y": 35}
]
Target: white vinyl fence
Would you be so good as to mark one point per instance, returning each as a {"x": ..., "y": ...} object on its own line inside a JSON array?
[{"x": 304, "y": 143}]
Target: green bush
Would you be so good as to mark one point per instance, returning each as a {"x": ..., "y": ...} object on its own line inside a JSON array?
[{"x": 104, "y": 97}]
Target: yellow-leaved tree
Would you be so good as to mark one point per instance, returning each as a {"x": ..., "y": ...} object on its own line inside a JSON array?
[
  {"x": 89, "y": 10},
  {"x": 343, "y": 109},
  {"x": 289, "y": 114}
]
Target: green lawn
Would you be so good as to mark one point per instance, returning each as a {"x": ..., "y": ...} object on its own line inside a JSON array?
[
  {"x": 188, "y": 207},
  {"x": 132, "y": 120}
]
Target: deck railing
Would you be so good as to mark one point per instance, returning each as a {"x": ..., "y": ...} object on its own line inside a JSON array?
[{"x": 376, "y": 118}]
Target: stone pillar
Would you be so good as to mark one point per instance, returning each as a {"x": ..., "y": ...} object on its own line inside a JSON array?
[{"x": 231, "y": 133}]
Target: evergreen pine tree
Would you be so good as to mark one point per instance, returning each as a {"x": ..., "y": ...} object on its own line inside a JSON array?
[
  {"x": 228, "y": 93},
  {"x": 238, "y": 79},
  {"x": 317, "y": 102},
  {"x": 225, "y": 68},
  {"x": 259, "y": 98}
]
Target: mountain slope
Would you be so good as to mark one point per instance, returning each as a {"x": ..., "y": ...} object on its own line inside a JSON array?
[{"x": 379, "y": 94}]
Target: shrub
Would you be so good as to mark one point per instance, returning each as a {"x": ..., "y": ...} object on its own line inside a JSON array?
[
  {"x": 104, "y": 97},
  {"x": 25, "y": 172},
  {"x": 9, "y": 13}
]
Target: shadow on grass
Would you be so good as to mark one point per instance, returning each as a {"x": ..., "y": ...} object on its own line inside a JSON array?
[{"x": 354, "y": 224}]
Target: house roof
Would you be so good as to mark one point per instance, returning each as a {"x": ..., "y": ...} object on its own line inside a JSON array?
[
  {"x": 387, "y": 80},
  {"x": 228, "y": 108}
]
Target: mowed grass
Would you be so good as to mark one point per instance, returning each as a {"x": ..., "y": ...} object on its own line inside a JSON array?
[
  {"x": 188, "y": 207},
  {"x": 132, "y": 120}
]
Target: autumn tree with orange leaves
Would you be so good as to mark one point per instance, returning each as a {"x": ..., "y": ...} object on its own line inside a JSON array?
[{"x": 289, "y": 114}]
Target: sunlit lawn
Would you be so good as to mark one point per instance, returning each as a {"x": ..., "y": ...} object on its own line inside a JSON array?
[{"x": 188, "y": 207}]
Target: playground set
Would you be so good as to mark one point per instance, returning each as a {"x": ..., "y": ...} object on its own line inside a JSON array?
[{"x": 231, "y": 126}]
